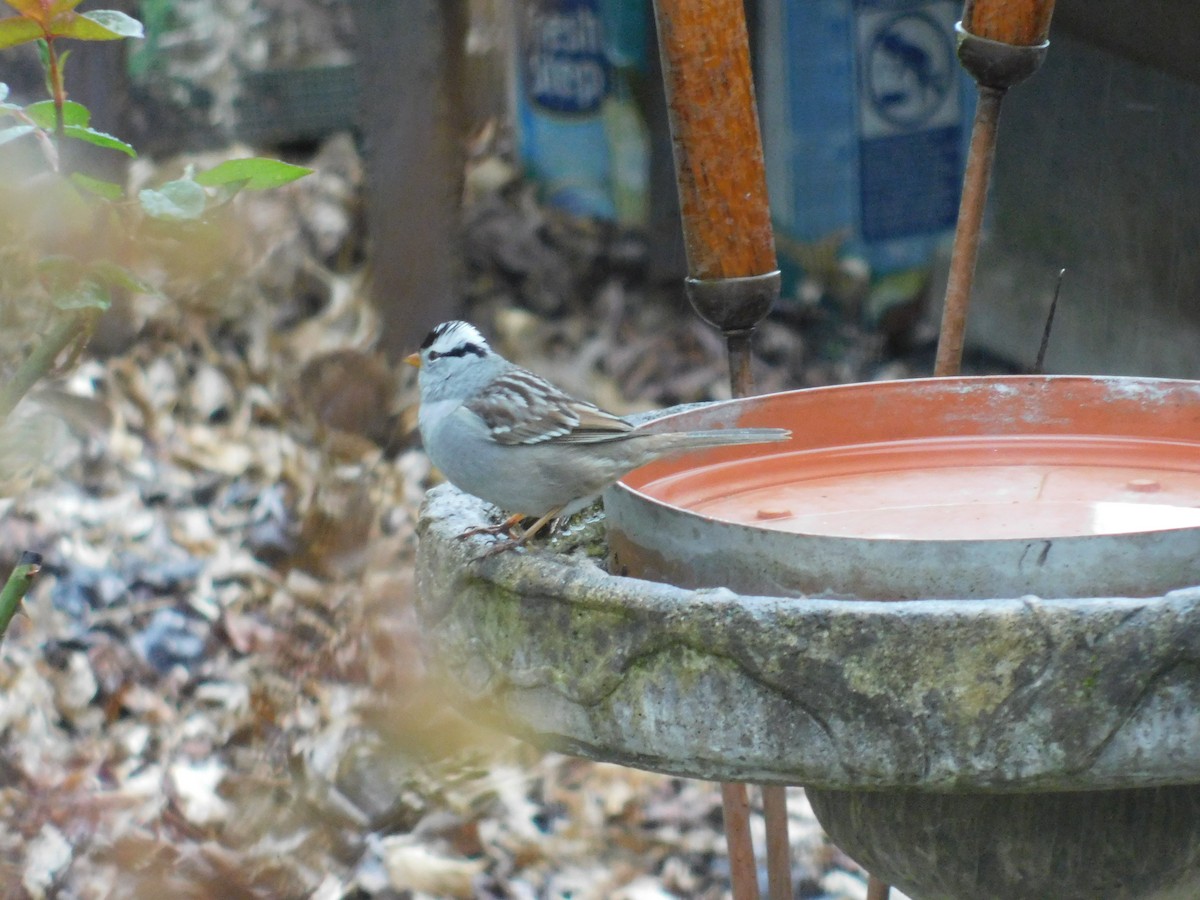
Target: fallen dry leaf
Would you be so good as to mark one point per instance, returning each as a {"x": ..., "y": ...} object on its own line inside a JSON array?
[{"x": 413, "y": 866}]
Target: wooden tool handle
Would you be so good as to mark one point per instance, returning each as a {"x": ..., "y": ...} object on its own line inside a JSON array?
[
  {"x": 1022, "y": 23},
  {"x": 714, "y": 126}
]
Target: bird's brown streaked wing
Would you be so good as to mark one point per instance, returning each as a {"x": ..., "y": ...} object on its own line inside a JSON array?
[
  {"x": 522, "y": 408},
  {"x": 594, "y": 425}
]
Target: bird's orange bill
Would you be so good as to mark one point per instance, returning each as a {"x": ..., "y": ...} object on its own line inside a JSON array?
[{"x": 413, "y": 359}]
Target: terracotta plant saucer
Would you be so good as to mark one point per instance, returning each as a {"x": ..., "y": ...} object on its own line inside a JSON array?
[{"x": 920, "y": 489}]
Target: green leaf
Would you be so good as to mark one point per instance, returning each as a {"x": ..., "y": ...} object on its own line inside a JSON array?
[
  {"x": 175, "y": 201},
  {"x": 253, "y": 174},
  {"x": 117, "y": 22},
  {"x": 118, "y": 276},
  {"x": 98, "y": 25},
  {"x": 17, "y": 586},
  {"x": 75, "y": 124},
  {"x": 59, "y": 271},
  {"x": 105, "y": 189},
  {"x": 73, "y": 287},
  {"x": 99, "y": 138},
  {"x": 74, "y": 113},
  {"x": 18, "y": 30},
  {"x": 87, "y": 294},
  {"x": 16, "y": 131}
]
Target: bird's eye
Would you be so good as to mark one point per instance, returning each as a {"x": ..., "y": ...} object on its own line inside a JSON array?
[{"x": 433, "y": 354}]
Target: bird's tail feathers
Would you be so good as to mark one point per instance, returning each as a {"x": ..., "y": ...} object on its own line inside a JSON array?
[{"x": 718, "y": 437}]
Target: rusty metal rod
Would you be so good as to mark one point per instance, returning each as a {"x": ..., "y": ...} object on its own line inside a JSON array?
[
  {"x": 877, "y": 890},
  {"x": 966, "y": 234},
  {"x": 733, "y": 272},
  {"x": 741, "y": 377},
  {"x": 1000, "y": 43},
  {"x": 719, "y": 167},
  {"x": 743, "y": 871},
  {"x": 714, "y": 130},
  {"x": 779, "y": 849}
]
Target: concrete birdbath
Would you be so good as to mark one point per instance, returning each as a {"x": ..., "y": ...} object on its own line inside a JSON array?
[
  {"x": 1012, "y": 713},
  {"x": 1009, "y": 746}
]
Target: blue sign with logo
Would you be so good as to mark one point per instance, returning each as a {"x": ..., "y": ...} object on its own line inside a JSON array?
[
  {"x": 910, "y": 151},
  {"x": 865, "y": 113},
  {"x": 563, "y": 53}
]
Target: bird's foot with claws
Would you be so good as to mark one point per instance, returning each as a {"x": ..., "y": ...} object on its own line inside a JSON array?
[
  {"x": 506, "y": 528},
  {"x": 514, "y": 536}
]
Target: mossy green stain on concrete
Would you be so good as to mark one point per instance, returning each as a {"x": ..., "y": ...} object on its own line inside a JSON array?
[{"x": 1012, "y": 695}]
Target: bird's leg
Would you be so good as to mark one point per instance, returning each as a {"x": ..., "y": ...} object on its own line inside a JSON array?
[
  {"x": 506, "y": 527},
  {"x": 538, "y": 526},
  {"x": 514, "y": 542}
]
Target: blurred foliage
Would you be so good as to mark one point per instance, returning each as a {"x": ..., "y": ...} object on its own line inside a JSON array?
[{"x": 71, "y": 241}]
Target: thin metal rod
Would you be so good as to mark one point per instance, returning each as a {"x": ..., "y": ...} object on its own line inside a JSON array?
[
  {"x": 877, "y": 890},
  {"x": 735, "y": 306},
  {"x": 741, "y": 378},
  {"x": 743, "y": 872},
  {"x": 966, "y": 235},
  {"x": 779, "y": 849},
  {"x": 743, "y": 869},
  {"x": 1039, "y": 365}
]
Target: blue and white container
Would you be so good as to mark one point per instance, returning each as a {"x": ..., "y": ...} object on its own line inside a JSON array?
[
  {"x": 866, "y": 119},
  {"x": 581, "y": 135}
]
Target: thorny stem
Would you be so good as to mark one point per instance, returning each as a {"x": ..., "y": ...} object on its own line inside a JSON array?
[
  {"x": 17, "y": 585},
  {"x": 40, "y": 361}
]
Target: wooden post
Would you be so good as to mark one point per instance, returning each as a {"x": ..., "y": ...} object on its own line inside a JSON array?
[{"x": 411, "y": 73}]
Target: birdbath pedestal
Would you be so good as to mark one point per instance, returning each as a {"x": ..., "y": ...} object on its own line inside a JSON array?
[{"x": 1007, "y": 748}]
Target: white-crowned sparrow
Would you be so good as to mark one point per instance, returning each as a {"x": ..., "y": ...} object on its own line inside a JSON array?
[{"x": 512, "y": 438}]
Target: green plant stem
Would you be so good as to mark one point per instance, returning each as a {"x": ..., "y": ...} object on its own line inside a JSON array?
[
  {"x": 17, "y": 585},
  {"x": 57, "y": 88},
  {"x": 39, "y": 362}
]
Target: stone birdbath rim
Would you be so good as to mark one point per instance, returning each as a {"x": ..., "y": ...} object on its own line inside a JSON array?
[{"x": 1015, "y": 695}]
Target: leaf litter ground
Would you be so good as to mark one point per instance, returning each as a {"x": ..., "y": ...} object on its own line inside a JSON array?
[{"x": 218, "y": 689}]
